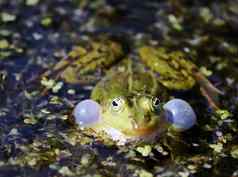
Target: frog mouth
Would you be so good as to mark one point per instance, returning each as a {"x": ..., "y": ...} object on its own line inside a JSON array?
[
  {"x": 151, "y": 128},
  {"x": 126, "y": 136},
  {"x": 141, "y": 131}
]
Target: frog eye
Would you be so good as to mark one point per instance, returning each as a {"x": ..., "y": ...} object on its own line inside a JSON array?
[
  {"x": 156, "y": 103},
  {"x": 117, "y": 104}
]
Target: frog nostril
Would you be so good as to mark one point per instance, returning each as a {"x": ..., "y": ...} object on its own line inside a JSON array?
[
  {"x": 114, "y": 103},
  {"x": 87, "y": 112},
  {"x": 147, "y": 118}
]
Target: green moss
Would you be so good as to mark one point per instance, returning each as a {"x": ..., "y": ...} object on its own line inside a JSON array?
[
  {"x": 4, "y": 44},
  {"x": 66, "y": 171},
  {"x": 47, "y": 21},
  {"x": 144, "y": 173},
  {"x": 206, "y": 14},
  {"x": 234, "y": 152},
  {"x": 217, "y": 147},
  {"x": 32, "y": 2},
  {"x": 175, "y": 23},
  {"x": 144, "y": 150},
  {"x": 223, "y": 114},
  {"x": 7, "y": 17}
]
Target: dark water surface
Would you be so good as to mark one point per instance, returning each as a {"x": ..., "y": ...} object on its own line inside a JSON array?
[{"x": 36, "y": 137}]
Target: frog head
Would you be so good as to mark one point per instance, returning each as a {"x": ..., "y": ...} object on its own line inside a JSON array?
[
  {"x": 128, "y": 117},
  {"x": 138, "y": 117},
  {"x": 133, "y": 116}
]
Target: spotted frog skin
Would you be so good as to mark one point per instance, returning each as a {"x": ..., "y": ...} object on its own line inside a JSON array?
[{"x": 132, "y": 94}]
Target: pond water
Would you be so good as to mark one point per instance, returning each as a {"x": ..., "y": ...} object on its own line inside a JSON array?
[{"x": 37, "y": 137}]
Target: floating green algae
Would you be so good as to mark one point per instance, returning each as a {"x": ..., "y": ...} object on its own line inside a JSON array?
[{"x": 38, "y": 137}]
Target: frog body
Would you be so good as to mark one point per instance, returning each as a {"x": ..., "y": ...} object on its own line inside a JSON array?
[{"x": 132, "y": 94}]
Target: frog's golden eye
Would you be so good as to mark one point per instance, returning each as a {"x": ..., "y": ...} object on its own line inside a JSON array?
[
  {"x": 156, "y": 103},
  {"x": 117, "y": 104}
]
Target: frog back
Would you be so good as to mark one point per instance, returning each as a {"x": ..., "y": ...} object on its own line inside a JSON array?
[{"x": 128, "y": 78}]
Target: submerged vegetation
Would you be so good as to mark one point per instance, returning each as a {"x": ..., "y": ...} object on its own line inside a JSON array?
[{"x": 37, "y": 135}]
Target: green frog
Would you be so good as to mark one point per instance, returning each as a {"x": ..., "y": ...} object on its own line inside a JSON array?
[{"x": 131, "y": 103}]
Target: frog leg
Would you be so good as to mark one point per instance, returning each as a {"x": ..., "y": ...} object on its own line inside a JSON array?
[
  {"x": 208, "y": 90},
  {"x": 57, "y": 70},
  {"x": 67, "y": 66},
  {"x": 81, "y": 62},
  {"x": 59, "y": 67},
  {"x": 74, "y": 55},
  {"x": 175, "y": 145}
]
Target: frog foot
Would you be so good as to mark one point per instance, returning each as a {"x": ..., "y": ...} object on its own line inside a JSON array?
[{"x": 208, "y": 90}]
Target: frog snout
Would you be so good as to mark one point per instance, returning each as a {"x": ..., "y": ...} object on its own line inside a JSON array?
[
  {"x": 87, "y": 113},
  {"x": 180, "y": 114}
]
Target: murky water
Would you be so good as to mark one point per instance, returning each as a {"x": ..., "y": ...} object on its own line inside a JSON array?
[{"x": 36, "y": 136}]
